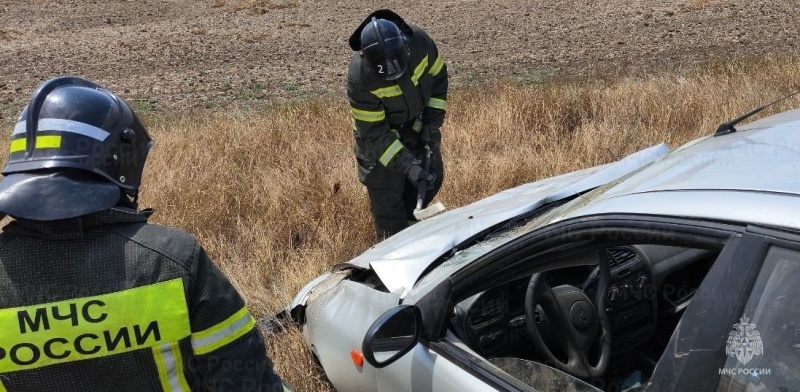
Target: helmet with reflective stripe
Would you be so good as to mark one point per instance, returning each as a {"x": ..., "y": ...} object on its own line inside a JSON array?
[
  {"x": 76, "y": 148},
  {"x": 385, "y": 49}
]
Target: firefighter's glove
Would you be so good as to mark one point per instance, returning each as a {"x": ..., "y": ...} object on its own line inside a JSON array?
[
  {"x": 417, "y": 174},
  {"x": 432, "y": 137}
]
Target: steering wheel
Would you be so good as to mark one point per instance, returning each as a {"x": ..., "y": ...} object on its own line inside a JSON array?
[{"x": 575, "y": 321}]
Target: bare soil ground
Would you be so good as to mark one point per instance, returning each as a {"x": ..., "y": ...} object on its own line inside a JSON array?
[{"x": 173, "y": 54}]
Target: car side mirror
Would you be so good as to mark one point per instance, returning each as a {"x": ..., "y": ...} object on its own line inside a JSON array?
[{"x": 392, "y": 335}]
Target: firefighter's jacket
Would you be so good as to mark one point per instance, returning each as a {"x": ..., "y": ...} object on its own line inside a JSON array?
[
  {"x": 390, "y": 117},
  {"x": 108, "y": 302}
]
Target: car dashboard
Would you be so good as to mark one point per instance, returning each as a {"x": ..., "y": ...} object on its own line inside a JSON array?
[{"x": 645, "y": 282}]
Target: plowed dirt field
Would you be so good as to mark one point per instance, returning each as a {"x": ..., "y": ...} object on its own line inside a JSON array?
[{"x": 172, "y": 54}]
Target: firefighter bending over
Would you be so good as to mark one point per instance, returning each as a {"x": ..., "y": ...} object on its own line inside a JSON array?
[{"x": 397, "y": 87}]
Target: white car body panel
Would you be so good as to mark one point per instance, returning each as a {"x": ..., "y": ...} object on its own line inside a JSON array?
[
  {"x": 711, "y": 178},
  {"x": 428, "y": 373},
  {"x": 343, "y": 330},
  {"x": 728, "y": 207}
]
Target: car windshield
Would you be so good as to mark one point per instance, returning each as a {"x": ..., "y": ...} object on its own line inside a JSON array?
[{"x": 467, "y": 255}]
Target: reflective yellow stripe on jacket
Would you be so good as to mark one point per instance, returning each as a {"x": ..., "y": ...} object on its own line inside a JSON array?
[
  {"x": 437, "y": 103},
  {"x": 437, "y": 66},
  {"x": 170, "y": 367},
  {"x": 388, "y": 92},
  {"x": 368, "y": 115},
  {"x": 227, "y": 331},
  {"x": 391, "y": 152},
  {"x": 419, "y": 70}
]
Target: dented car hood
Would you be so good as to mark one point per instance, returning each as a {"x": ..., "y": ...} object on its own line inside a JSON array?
[{"x": 401, "y": 259}]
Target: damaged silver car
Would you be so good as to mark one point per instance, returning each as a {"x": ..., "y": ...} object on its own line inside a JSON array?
[{"x": 666, "y": 270}]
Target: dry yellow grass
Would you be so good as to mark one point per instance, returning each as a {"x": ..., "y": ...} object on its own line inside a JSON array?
[{"x": 273, "y": 196}]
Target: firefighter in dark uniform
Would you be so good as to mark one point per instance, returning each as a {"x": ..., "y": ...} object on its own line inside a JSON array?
[
  {"x": 397, "y": 87},
  {"x": 92, "y": 297}
]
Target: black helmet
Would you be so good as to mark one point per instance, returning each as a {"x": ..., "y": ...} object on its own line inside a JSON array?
[
  {"x": 384, "y": 48},
  {"x": 76, "y": 149}
]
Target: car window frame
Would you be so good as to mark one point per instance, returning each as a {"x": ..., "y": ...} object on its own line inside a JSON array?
[
  {"x": 477, "y": 366},
  {"x": 727, "y": 236},
  {"x": 693, "y": 355},
  {"x": 772, "y": 237}
]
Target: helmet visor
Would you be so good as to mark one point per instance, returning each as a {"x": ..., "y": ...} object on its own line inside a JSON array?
[{"x": 47, "y": 196}]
